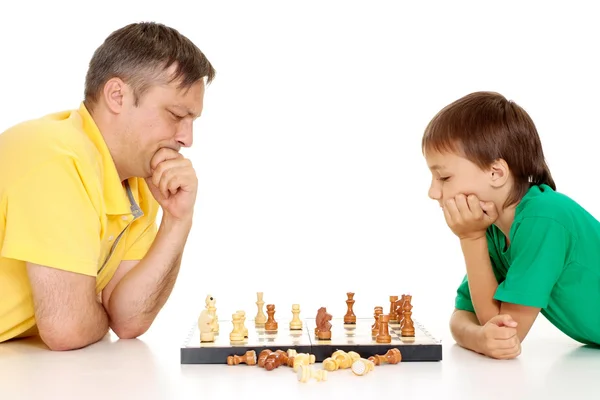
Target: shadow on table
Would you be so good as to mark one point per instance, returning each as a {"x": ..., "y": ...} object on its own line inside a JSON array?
[{"x": 100, "y": 369}]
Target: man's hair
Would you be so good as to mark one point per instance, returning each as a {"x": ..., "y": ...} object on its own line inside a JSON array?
[
  {"x": 139, "y": 54},
  {"x": 484, "y": 127}
]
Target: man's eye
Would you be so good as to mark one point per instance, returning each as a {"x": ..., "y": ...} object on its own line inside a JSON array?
[
  {"x": 444, "y": 178},
  {"x": 175, "y": 115}
]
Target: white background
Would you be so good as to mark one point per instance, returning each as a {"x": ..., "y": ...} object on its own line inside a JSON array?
[{"x": 308, "y": 152}]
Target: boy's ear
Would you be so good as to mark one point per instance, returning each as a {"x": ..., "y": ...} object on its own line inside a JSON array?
[{"x": 499, "y": 173}]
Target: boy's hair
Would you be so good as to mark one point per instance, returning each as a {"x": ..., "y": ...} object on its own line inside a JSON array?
[
  {"x": 139, "y": 54},
  {"x": 484, "y": 127}
]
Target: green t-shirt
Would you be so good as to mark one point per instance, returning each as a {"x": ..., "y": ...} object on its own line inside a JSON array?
[{"x": 552, "y": 262}]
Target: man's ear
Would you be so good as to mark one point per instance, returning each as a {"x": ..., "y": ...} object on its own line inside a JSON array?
[
  {"x": 113, "y": 93},
  {"x": 499, "y": 173}
]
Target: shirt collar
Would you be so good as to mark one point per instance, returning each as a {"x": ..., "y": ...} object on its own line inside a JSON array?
[{"x": 115, "y": 195}]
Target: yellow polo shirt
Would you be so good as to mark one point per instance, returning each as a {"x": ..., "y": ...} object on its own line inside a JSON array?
[{"x": 63, "y": 205}]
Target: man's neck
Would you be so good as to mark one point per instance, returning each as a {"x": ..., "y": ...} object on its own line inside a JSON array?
[{"x": 107, "y": 131}]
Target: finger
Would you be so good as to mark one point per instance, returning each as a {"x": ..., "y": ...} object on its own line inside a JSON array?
[
  {"x": 504, "y": 320},
  {"x": 168, "y": 165},
  {"x": 453, "y": 212},
  {"x": 162, "y": 155},
  {"x": 462, "y": 206},
  {"x": 474, "y": 206},
  {"x": 176, "y": 179},
  {"x": 503, "y": 333},
  {"x": 507, "y": 354},
  {"x": 490, "y": 209}
]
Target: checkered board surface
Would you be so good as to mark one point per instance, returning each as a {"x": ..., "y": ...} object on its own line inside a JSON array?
[{"x": 357, "y": 337}]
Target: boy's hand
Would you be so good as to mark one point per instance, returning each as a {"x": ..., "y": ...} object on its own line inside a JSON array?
[
  {"x": 468, "y": 217},
  {"x": 498, "y": 338}
]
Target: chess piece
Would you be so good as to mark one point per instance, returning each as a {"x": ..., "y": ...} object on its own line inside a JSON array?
[
  {"x": 271, "y": 324},
  {"x": 340, "y": 360},
  {"x": 305, "y": 373},
  {"x": 350, "y": 318},
  {"x": 274, "y": 360},
  {"x": 303, "y": 359},
  {"x": 375, "y": 327},
  {"x": 384, "y": 334},
  {"x": 393, "y": 315},
  {"x": 362, "y": 366},
  {"x": 260, "y": 318},
  {"x": 392, "y": 356},
  {"x": 262, "y": 357},
  {"x": 323, "y": 329},
  {"x": 237, "y": 334},
  {"x": 296, "y": 323},
  {"x": 243, "y": 322},
  {"x": 212, "y": 309},
  {"x": 399, "y": 307},
  {"x": 408, "y": 328},
  {"x": 248, "y": 358},
  {"x": 205, "y": 326}
]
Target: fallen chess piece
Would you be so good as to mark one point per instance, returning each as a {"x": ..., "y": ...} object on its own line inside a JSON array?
[
  {"x": 248, "y": 358},
  {"x": 340, "y": 360},
  {"x": 302, "y": 359},
  {"x": 392, "y": 356},
  {"x": 362, "y": 366},
  {"x": 305, "y": 373}
]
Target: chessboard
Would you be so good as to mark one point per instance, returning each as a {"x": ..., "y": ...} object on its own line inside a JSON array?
[{"x": 347, "y": 337}]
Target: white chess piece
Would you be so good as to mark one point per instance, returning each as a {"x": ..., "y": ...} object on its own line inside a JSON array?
[
  {"x": 212, "y": 309},
  {"x": 205, "y": 326}
]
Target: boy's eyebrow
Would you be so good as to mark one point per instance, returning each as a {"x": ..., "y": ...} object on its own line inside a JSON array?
[{"x": 437, "y": 166}]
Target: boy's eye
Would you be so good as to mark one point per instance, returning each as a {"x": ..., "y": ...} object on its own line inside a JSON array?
[{"x": 444, "y": 178}]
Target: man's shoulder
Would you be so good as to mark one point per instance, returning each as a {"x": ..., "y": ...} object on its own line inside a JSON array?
[{"x": 31, "y": 144}]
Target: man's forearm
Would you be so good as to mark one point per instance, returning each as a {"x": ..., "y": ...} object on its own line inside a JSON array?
[
  {"x": 466, "y": 330},
  {"x": 482, "y": 281},
  {"x": 142, "y": 292}
]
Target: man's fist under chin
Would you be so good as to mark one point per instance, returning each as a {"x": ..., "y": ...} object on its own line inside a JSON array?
[{"x": 173, "y": 183}]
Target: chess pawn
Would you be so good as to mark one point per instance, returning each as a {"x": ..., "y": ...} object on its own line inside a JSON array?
[
  {"x": 248, "y": 358},
  {"x": 204, "y": 327},
  {"x": 271, "y": 324},
  {"x": 243, "y": 322},
  {"x": 305, "y": 373},
  {"x": 375, "y": 327},
  {"x": 237, "y": 334},
  {"x": 393, "y": 315},
  {"x": 296, "y": 323},
  {"x": 392, "y": 356},
  {"x": 212, "y": 309},
  {"x": 384, "y": 334},
  {"x": 362, "y": 366},
  {"x": 260, "y": 318},
  {"x": 350, "y": 317},
  {"x": 303, "y": 359}
]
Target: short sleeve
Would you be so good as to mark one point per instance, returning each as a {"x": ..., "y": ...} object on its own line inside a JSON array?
[
  {"x": 463, "y": 297},
  {"x": 538, "y": 254},
  {"x": 142, "y": 242},
  {"x": 51, "y": 219}
]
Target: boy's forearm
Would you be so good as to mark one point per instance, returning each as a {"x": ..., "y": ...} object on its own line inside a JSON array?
[
  {"x": 482, "y": 281},
  {"x": 466, "y": 330},
  {"x": 142, "y": 292}
]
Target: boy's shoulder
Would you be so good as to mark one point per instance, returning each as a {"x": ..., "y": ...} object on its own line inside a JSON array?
[{"x": 541, "y": 201}]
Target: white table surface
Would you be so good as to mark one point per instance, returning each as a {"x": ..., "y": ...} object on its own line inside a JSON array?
[{"x": 550, "y": 367}]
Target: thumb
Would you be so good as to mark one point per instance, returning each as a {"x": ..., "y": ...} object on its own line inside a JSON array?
[
  {"x": 490, "y": 208},
  {"x": 505, "y": 320}
]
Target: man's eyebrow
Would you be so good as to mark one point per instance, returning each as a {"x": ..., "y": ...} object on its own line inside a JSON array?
[{"x": 186, "y": 110}]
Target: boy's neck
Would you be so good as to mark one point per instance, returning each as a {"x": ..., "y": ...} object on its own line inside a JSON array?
[{"x": 505, "y": 220}]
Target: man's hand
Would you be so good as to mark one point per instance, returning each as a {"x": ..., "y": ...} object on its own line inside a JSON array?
[
  {"x": 173, "y": 184},
  {"x": 498, "y": 338},
  {"x": 468, "y": 217}
]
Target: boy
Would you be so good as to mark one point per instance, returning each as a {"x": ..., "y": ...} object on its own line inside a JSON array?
[{"x": 527, "y": 248}]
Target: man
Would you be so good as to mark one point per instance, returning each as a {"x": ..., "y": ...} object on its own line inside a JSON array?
[{"x": 80, "y": 191}]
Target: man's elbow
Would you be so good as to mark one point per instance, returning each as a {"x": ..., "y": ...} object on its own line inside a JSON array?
[
  {"x": 66, "y": 339},
  {"x": 131, "y": 330}
]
